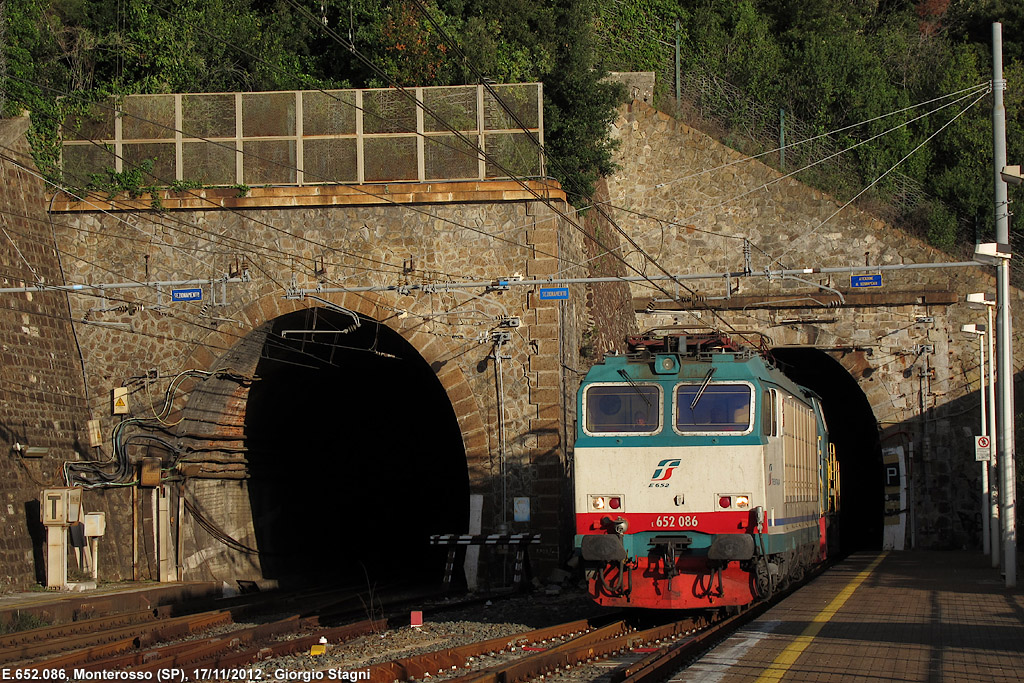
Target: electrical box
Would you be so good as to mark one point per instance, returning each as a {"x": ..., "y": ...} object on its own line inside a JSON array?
[
  {"x": 149, "y": 472},
  {"x": 95, "y": 523},
  {"x": 61, "y": 506},
  {"x": 120, "y": 400},
  {"x": 95, "y": 433}
]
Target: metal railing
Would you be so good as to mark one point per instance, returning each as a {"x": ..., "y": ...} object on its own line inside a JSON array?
[{"x": 313, "y": 137}]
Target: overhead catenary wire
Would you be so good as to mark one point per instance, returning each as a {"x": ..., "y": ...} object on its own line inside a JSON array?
[
  {"x": 214, "y": 204},
  {"x": 425, "y": 12},
  {"x": 879, "y": 178},
  {"x": 763, "y": 186},
  {"x": 530, "y": 189},
  {"x": 652, "y": 260},
  {"x": 96, "y": 285}
]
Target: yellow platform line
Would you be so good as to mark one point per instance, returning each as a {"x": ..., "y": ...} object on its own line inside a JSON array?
[{"x": 781, "y": 664}]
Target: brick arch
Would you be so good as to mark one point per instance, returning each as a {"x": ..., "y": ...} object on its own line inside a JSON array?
[{"x": 432, "y": 348}]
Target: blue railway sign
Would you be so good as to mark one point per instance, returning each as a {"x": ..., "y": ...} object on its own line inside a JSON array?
[
  {"x": 866, "y": 280},
  {"x": 549, "y": 293},
  {"x": 187, "y": 294}
]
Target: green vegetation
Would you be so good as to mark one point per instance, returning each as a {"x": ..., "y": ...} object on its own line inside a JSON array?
[
  {"x": 85, "y": 50},
  {"x": 22, "y": 621},
  {"x": 828, "y": 63},
  {"x": 835, "y": 63}
]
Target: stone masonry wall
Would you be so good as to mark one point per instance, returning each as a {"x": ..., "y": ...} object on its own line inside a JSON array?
[
  {"x": 689, "y": 202},
  {"x": 43, "y": 402},
  {"x": 478, "y": 237}
]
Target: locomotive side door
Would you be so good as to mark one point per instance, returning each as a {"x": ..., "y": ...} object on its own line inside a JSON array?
[{"x": 774, "y": 466}]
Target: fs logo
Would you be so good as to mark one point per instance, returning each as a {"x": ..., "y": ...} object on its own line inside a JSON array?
[{"x": 664, "y": 469}]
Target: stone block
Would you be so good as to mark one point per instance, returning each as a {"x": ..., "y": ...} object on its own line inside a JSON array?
[{"x": 544, "y": 397}]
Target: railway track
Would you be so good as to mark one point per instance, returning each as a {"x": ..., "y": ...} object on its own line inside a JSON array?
[
  {"x": 307, "y": 646},
  {"x": 138, "y": 639}
]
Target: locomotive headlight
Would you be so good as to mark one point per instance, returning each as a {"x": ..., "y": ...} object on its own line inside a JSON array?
[
  {"x": 605, "y": 502},
  {"x": 742, "y": 501}
]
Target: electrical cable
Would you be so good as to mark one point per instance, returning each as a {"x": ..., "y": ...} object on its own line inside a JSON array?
[
  {"x": 341, "y": 41},
  {"x": 790, "y": 174},
  {"x": 876, "y": 180}
]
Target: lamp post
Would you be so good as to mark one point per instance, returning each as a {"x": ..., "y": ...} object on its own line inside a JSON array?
[
  {"x": 987, "y": 538},
  {"x": 978, "y": 300},
  {"x": 1003, "y": 174}
]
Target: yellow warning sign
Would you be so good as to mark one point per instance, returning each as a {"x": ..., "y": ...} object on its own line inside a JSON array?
[{"x": 120, "y": 400}]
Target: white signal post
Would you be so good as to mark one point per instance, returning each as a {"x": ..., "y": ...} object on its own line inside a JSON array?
[
  {"x": 979, "y": 300},
  {"x": 986, "y": 489}
]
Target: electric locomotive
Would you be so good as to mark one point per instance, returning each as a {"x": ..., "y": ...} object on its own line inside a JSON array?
[{"x": 704, "y": 477}]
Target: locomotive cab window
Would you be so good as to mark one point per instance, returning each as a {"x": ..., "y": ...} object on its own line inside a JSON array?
[
  {"x": 718, "y": 408},
  {"x": 611, "y": 409}
]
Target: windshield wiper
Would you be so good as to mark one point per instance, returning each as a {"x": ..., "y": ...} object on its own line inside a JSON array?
[
  {"x": 703, "y": 386},
  {"x": 629, "y": 380}
]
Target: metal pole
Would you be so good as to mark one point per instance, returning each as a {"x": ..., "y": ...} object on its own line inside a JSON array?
[
  {"x": 1003, "y": 320},
  {"x": 993, "y": 471},
  {"x": 782, "y": 139},
  {"x": 985, "y": 541},
  {"x": 678, "y": 83}
]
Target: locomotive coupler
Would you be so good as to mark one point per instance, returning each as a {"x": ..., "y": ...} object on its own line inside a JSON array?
[{"x": 670, "y": 547}]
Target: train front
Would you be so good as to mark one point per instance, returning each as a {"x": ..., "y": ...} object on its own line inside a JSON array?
[{"x": 669, "y": 477}]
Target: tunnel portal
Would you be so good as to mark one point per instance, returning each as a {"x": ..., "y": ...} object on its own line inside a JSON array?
[
  {"x": 355, "y": 454},
  {"x": 854, "y": 431}
]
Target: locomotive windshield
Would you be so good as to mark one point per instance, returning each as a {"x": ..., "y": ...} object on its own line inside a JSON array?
[
  {"x": 721, "y": 408},
  {"x": 623, "y": 408}
]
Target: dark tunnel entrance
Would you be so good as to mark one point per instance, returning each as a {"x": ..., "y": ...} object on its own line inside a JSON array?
[
  {"x": 854, "y": 431},
  {"x": 355, "y": 454}
]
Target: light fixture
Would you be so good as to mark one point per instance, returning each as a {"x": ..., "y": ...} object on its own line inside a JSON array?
[
  {"x": 981, "y": 300},
  {"x": 991, "y": 253},
  {"x": 1011, "y": 175}
]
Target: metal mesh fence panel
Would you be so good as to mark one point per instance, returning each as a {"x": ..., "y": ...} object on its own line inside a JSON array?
[
  {"x": 329, "y": 113},
  {"x": 209, "y": 163},
  {"x": 518, "y": 102},
  {"x": 268, "y": 114},
  {"x": 80, "y": 162},
  {"x": 97, "y": 124},
  {"x": 448, "y": 157},
  {"x": 325, "y": 130},
  {"x": 330, "y": 161},
  {"x": 388, "y": 111},
  {"x": 162, "y": 155},
  {"x": 148, "y": 118},
  {"x": 208, "y": 116},
  {"x": 453, "y": 109},
  {"x": 269, "y": 162},
  {"x": 389, "y": 159},
  {"x": 512, "y": 154}
]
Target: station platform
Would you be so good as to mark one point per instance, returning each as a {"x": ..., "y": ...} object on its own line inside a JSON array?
[
  {"x": 896, "y": 616},
  {"x": 59, "y": 607}
]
